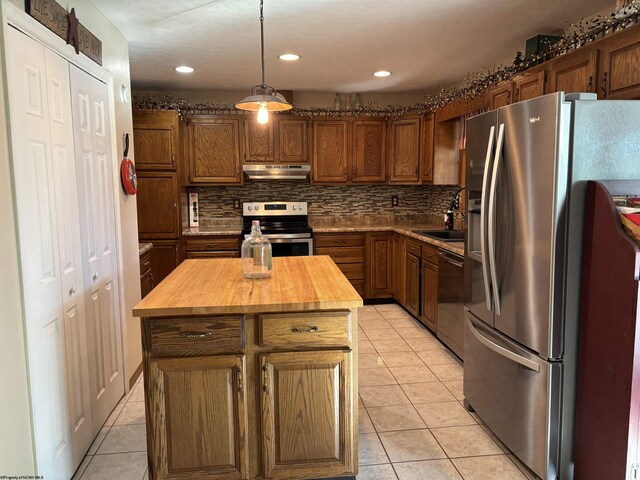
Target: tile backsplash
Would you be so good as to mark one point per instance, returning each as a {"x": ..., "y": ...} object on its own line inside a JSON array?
[{"x": 217, "y": 202}]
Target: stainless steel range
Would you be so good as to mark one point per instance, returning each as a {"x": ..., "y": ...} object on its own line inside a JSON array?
[{"x": 285, "y": 224}]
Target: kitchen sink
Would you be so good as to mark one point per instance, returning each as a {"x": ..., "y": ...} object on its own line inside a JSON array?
[{"x": 443, "y": 235}]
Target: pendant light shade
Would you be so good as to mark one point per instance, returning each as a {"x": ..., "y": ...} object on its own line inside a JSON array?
[{"x": 263, "y": 98}]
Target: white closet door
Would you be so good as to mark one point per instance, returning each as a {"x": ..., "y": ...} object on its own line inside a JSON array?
[
  {"x": 95, "y": 169},
  {"x": 34, "y": 170},
  {"x": 70, "y": 253}
]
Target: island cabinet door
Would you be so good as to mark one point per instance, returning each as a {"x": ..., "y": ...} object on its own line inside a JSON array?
[
  {"x": 308, "y": 415},
  {"x": 197, "y": 425}
]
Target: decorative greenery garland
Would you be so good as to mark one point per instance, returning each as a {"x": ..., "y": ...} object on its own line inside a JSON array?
[{"x": 578, "y": 35}]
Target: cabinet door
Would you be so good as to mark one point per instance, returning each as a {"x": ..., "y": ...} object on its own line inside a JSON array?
[
  {"x": 619, "y": 72},
  {"x": 501, "y": 95},
  {"x": 574, "y": 73},
  {"x": 369, "y": 151},
  {"x": 429, "y": 294},
  {"x": 379, "y": 281},
  {"x": 155, "y": 139},
  {"x": 165, "y": 257},
  {"x": 196, "y": 412},
  {"x": 308, "y": 409},
  {"x": 400, "y": 269},
  {"x": 214, "y": 151},
  {"x": 146, "y": 283},
  {"x": 529, "y": 85},
  {"x": 258, "y": 141},
  {"x": 413, "y": 285},
  {"x": 292, "y": 141},
  {"x": 404, "y": 158},
  {"x": 330, "y": 151},
  {"x": 157, "y": 205},
  {"x": 428, "y": 131}
]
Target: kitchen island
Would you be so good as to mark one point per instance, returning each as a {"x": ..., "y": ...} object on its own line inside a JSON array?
[{"x": 251, "y": 379}]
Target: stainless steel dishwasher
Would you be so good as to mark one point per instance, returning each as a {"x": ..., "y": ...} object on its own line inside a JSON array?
[{"x": 450, "y": 326}]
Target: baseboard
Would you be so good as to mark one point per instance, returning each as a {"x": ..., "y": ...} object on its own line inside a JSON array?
[{"x": 135, "y": 376}]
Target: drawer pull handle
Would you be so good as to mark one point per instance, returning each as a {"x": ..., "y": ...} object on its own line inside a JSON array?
[
  {"x": 304, "y": 330},
  {"x": 265, "y": 386},
  {"x": 194, "y": 334}
]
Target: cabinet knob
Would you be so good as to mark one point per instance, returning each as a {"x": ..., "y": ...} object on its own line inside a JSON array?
[
  {"x": 603, "y": 85},
  {"x": 240, "y": 382},
  {"x": 265, "y": 370}
]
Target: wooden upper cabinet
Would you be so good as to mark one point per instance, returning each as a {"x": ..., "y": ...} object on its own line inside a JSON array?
[
  {"x": 258, "y": 141},
  {"x": 529, "y": 85},
  {"x": 307, "y": 412},
  {"x": 379, "y": 280},
  {"x": 291, "y": 144},
  {"x": 428, "y": 131},
  {"x": 200, "y": 430},
  {"x": 369, "y": 151},
  {"x": 156, "y": 139},
  {"x": 214, "y": 150},
  {"x": 620, "y": 66},
  {"x": 405, "y": 134},
  {"x": 157, "y": 205},
  {"x": 574, "y": 73},
  {"x": 330, "y": 151},
  {"x": 501, "y": 95}
]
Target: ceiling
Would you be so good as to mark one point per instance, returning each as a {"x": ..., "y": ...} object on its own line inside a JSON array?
[{"x": 425, "y": 43}]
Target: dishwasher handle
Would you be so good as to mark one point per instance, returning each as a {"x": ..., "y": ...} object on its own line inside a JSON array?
[{"x": 452, "y": 260}]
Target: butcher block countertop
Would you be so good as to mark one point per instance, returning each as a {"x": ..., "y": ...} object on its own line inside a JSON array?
[{"x": 216, "y": 286}]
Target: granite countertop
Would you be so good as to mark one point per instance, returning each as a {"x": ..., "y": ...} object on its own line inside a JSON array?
[
  {"x": 144, "y": 248},
  {"x": 216, "y": 286},
  {"x": 404, "y": 226}
]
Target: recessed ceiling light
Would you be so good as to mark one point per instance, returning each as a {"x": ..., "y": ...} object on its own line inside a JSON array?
[
  {"x": 289, "y": 57},
  {"x": 381, "y": 73},
  {"x": 184, "y": 69}
]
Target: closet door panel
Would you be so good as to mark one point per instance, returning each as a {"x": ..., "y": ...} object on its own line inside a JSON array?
[
  {"x": 70, "y": 253},
  {"x": 35, "y": 189},
  {"x": 95, "y": 171}
]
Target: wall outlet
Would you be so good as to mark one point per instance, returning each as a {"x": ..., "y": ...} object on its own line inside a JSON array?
[
  {"x": 236, "y": 204},
  {"x": 394, "y": 200}
]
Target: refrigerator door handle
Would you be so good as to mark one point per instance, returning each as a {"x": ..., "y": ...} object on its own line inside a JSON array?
[
  {"x": 525, "y": 362},
  {"x": 483, "y": 219},
  {"x": 492, "y": 220}
]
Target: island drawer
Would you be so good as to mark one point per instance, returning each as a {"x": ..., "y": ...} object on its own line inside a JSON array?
[
  {"x": 168, "y": 337},
  {"x": 343, "y": 255},
  {"x": 339, "y": 240},
  {"x": 305, "y": 329},
  {"x": 213, "y": 243}
]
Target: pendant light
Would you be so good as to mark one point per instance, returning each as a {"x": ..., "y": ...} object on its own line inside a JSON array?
[{"x": 263, "y": 98}]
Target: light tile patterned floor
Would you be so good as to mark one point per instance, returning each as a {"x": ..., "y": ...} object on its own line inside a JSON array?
[{"x": 412, "y": 422}]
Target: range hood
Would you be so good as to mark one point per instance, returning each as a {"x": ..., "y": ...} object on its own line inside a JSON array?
[{"x": 277, "y": 172}]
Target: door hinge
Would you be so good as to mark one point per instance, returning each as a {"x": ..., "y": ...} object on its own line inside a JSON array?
[{"x": 634, "y": 471}]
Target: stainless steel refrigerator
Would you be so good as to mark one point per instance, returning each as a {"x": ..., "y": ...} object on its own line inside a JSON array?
[{"x": 527, "y": 165}]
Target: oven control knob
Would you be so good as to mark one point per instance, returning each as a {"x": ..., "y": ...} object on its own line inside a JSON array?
[
  {"x": 295, "y": 208},
  {"x": 249, "y": 208},
  {"x": 300, "y": 207}
]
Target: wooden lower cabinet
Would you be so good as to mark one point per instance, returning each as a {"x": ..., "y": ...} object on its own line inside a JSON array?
[
  {"x": 197, "y": 420},
  {"x": 379, "y": 281},
  {"x": 165, "y": 257},
  {"x": 429, "y": 294},
  {"x": 239, "y": 397},
  {"x": 399, "y": 268},
  {"x": 412, "y": 300},
  {"x": 347, "y": 250},
  {"x": 306, "y": 417}
]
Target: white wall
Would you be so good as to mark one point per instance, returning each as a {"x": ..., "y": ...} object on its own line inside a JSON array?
[{"x": 16, "y": 442}]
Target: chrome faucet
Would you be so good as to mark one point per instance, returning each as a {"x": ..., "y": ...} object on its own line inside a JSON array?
[{"x": 454, "y": 205}]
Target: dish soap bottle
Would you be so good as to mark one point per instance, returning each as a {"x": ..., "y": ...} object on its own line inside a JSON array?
[{"x": 256, "y": 254}]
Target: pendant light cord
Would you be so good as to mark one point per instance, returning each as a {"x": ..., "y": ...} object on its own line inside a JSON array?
[{"x": 262, "y": 39}]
